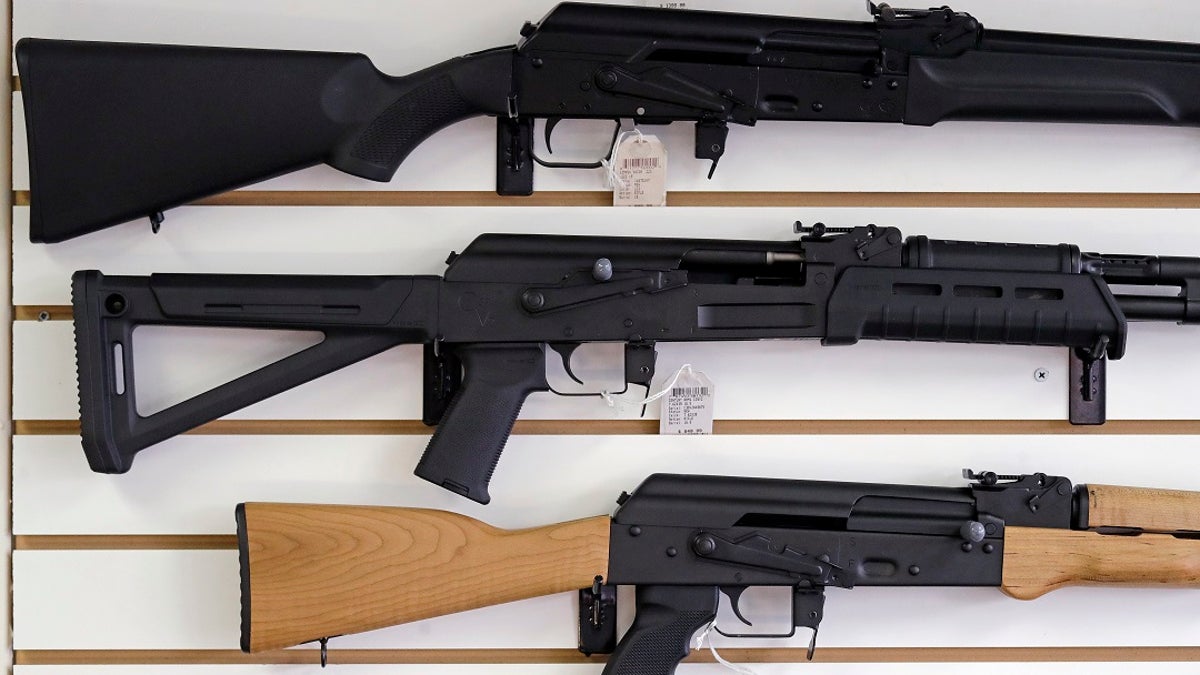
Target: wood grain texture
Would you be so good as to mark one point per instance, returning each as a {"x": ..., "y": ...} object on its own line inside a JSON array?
[
  {"x": 1150, "y": 509},
  {"x": 330, "y": 570},
  {"x": 65, "y": 657},
  {"x": 1039, "y": 560},
  {"x": 459, "y": 198},
  {"x": 650, "y": 427}
]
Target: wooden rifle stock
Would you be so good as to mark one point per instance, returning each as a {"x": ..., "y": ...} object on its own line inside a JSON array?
[
  {"x": 1144, "y": 551},
  {"x": 312, "y": 571}
]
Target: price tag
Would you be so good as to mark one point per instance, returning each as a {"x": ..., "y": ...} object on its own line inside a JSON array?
[
  {"x": 640, "y": 172},
  {"x": 687, "y": 406}
]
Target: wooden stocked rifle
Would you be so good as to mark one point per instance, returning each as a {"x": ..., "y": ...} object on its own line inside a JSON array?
[{"x": 312, "y": 571}]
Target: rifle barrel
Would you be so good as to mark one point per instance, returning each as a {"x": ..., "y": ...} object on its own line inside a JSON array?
[
  {"x": 1142, "y": 269},
  {"x": 1152, "y": 308}
]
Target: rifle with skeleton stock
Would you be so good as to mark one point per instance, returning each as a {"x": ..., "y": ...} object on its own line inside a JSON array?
[
  {"x": 486, "y": 323},
  {"x": 122, "y": 131},
  {"x": 312, "y": 571}
]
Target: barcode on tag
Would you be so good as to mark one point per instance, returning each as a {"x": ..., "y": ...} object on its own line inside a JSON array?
[
  {"x": 640, "y": 172},
  {"x": 687, "y": 408},
  {"x": 640, "y": 163}
]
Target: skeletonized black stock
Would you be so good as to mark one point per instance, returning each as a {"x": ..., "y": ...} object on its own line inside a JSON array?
[
  {"x": 486, "y": 323},
  {"x": 120, "y": 131},
  {"x": 359, "y": 316}
]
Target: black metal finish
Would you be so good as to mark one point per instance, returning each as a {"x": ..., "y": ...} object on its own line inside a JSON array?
[
  {"x": 696, "y": 532},
  {"x": 486, "y": 323},
  {"x": 109, "y": 123},
  {"x": 514, "y": 156},
  {"x": 442, "y": 377},
  {"x": 598, "y": 618},
  {"x": 1086, "y": 387},
  {"x": 1032, "y": 500}
]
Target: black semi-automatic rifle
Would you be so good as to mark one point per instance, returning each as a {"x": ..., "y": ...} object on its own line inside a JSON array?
[
  {"x": 311, "y": 571},
  {"x": 123, "y": 131},
  {"x": 485, "y": 324}
]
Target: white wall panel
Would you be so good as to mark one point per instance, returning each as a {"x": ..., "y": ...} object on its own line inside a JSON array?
[
  {"x": 190, "y": 484},
  {"x": 807, "y": 381},
  {"x": 976, "y": 668},
  {"x": 416, "y": 240},
  {"x": 187, "y": 599},
  {"x": 769, "y": 380}
]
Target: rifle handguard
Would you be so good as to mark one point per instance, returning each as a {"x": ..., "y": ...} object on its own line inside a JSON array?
[
  {"x": 1039, "y": 560},
  {"x": 1144, "y": 509}
]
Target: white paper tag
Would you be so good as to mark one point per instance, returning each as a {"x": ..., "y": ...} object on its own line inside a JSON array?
[
  {"x": 687, "y": 406},
  {"x": 640, "y": 172}
]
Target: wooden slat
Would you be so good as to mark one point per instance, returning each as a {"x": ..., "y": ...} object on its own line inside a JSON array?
[
  {"x": 47, "y": 657},
  {"x": 124, "y": 542},
  {"x": 993, "y": 200},
  {"x": 42, "y": 313},
  {"x": 650, "y": 427}
]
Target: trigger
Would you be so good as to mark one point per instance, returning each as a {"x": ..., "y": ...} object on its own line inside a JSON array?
[
  {"x": 551, "y": 122},
  {"x": 734, "y": 593},
  {"x": 564, "y": 351}
]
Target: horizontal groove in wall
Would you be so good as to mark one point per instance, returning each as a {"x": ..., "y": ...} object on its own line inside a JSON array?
[
  {"x": 42, "y": 313},
  {"x": 42, "y": 657},
  {"x": 650, "y": 427},
  {"x": 991, "y": 200},
  {"x": 124, "y": 542}
]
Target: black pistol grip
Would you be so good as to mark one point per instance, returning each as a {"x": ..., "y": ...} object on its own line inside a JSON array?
[
  {"x": 416, "y": 106},
  {"x": 660, "y": 637},
  {"x": 467, "y": 444}
]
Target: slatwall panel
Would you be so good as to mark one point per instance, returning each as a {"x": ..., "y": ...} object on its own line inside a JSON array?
[{"x": 136, "y": 573}]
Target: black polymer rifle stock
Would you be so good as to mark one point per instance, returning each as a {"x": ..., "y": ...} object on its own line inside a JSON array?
[
  {"x": 311, "y": 571},
  {"x": 123, "y": 131},
  {"x": 486, "y": 323}
]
